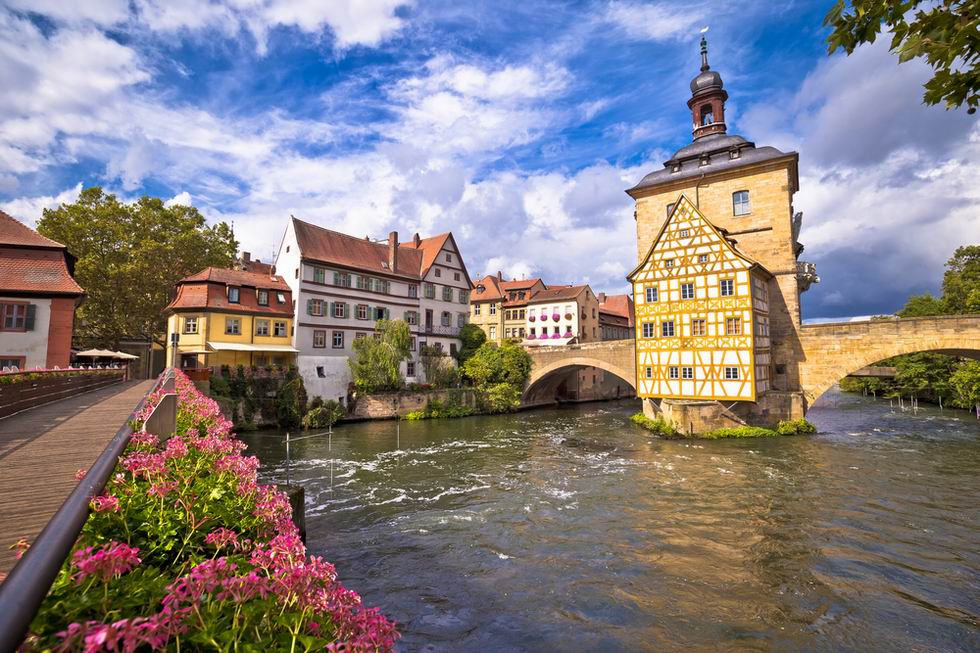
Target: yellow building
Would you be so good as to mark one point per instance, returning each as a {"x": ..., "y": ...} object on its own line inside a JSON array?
[
  {"x": 230, "y": 317},
  {"x": 702, "y": 314}
]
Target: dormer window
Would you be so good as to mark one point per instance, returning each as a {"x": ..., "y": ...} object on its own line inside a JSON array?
[
  {"x": 281, "y": 297},
  {"x": 675, "y": 168},
  {"x": 734, "y": 154},
  {"x": 705, "y": 160},
  {"x": 234, "y": 295}
]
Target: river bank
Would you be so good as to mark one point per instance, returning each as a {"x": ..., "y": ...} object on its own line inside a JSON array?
[{"x": 571, "y": 528}]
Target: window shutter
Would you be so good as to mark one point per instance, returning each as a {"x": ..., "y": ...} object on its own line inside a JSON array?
[
  {"x": 333, "y": 309},
  {"x": 30, "y": 317},
  {"x": 387, "y": 314},
  {"x": 309, "y": 307}
]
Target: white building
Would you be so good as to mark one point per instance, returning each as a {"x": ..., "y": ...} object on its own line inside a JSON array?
[
  {"x": 560, "y": 315},
  {"x": 342, "y": 285}
]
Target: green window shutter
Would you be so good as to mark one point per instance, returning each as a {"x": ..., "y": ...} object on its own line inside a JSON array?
[
  {"x": 336, "y": 278},
  {"x": 30, "y": 317},
  {"x": 333, "y": 309},
  {"x": 309, "y": 307},
  {"x": 387, "y": 314}
]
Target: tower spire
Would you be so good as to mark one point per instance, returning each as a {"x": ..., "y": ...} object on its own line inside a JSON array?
[
  {"x": 704, "y": 54},
  {"x": 708, "y": 97}
]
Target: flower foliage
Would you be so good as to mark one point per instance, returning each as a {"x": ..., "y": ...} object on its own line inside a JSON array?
[{"x": 185, "y": 550}]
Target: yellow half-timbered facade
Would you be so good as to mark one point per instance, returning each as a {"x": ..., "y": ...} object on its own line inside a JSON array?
[{"x": 702, "y": 314}]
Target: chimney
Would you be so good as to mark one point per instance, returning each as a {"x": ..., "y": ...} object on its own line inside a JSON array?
[
  {"x": 416, "y": 239},
  {"x": 500, "y": 275},
  {"x": 246, "y": 257},
  {"x": 392, "y": 250},
  {"x": 601, "y": 297}
]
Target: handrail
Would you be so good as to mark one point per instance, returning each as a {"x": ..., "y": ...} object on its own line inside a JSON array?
[{"x": 23, "y": 591}]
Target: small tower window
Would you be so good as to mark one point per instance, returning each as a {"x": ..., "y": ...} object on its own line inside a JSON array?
[
  {"x": 740, "y": 202},
  {"x": 670, "y": 209},
  {"x": 707, "y": 115}
]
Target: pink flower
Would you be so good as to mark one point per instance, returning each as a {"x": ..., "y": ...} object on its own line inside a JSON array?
[
  {"x": 105, "y": 503},
  {"x": 176, "y": 448},
  {"x": 222, "y": 538},
  {"x": 141, "y": 463},
  {"x": 80, "y": 474},
  {"x": 109, "y": 560},
  {"x": 162, "y": 488}
]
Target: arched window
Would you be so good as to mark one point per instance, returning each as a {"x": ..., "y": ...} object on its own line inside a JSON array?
[
  {"x": 707, "y": 115},
  {"x": 740, "y": 202}
]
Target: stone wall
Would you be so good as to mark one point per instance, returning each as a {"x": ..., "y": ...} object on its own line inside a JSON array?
[{"x": 399, "y": 404}]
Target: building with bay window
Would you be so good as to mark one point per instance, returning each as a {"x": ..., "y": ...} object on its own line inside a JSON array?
[
  {"x": 38, "y": 298},
  {"x": 343, "y": 285}
]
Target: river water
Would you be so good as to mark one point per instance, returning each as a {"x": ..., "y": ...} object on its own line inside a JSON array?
[{"x": 571, "y": 529}]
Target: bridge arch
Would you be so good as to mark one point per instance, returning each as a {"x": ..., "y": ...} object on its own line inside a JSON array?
[
  {"x": 832, "y": 351},
  {"x": 552, "y": 365}
]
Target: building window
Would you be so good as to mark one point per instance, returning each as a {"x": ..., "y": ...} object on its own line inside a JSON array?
[
  {"x": 190, "y": 325},
  {"x": 438, "y": 272},
  {"x": 461, "y": 320},
  {"x": 339, "y": 309},
  {"x": 261, "y": 327},
  {"x": 341, "y": 279},
  {"x": 672, "y": 372},
  {"x": 687, "y": 291},
  {"x": 464, "y": 296},
  {"x": 338, "y": 340},
  {"x": 314, "y": 307},
  {"x": 410, "y": 368},
  {"x": 649, "y": 372},
  {"x": 669, "y": 263},
  {"x": 411, "y": 317},
  {"x": 687, "y": 373},
  {"x": 319, "y": 338},
  {"x": 670, "y": 209},
  {"x": 361, "y": 311},
  {"x": 651, "y": 292},
  {"x": 733, "y": 326},
  {"x": 727, "y": 287},
  {"x": 702, "y": 258},
  {"x": 447, "y": 319},
  {"x": 685, "y": 233},
  {"x": 449, "y": 258},
  {"x": 233, "y": 326},
  {"x": 455, "y": 276},
  {"x": 380, "y": 313},
  {"x": 493, "y": 309},
  {"x": 447, "y": 294},
  {"x": 740, "y": 202},
  {"x": 648, "y": 330},
  {"x": 234, "y": 295},
  {"x": 262, "y": 296},
  {"x": 493, "y": 332},
  {"x": 476, "y": 309},
  {"x": 697, "y": 327},
  {"x": 667, "y": 328},
  {"x": 10, "y": 362},
  {"x": 320, "y": 372},
  {"x": 731, "y": 373},
  {"x": 430, "y": 291},
  {"x": 413, "y": 291},
  {"x": 361, "y": 334},
  {"x": 279, "y": 329},
  {"x": 319, "y": 275}
]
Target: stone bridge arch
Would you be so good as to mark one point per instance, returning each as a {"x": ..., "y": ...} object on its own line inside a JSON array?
[
  {"x": 834, "y": 350},
  {"x": 551, "y": 365}
]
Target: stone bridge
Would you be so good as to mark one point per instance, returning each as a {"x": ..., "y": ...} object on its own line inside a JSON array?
[{"x": 825, "y": 353}]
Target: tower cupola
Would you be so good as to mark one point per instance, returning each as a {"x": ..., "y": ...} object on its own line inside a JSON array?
[{"x": 708, "y": 97}]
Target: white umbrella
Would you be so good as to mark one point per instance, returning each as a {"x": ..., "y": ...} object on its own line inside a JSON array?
[
  {"x": 96, "y": 353},
  {"x": 124, "y": 356}
]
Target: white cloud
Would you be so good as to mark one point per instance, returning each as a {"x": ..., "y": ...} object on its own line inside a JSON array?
[
  {"x": 29, "y": 209},
  {"x": 182, "y": 198},
  {"x": 101, "y": 12},
  {"x": 654, "y": 21}
]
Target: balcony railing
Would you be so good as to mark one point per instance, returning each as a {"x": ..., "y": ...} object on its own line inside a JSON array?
[{"x": 439, "y": 330}]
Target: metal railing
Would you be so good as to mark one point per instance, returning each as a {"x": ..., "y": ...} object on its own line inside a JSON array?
[{"x": 23, "y": 591}]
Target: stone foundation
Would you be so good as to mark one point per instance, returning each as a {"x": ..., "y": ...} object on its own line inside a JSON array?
[
  {"x": 399, "y": 404},
  {"x": 693, "y": 417}
]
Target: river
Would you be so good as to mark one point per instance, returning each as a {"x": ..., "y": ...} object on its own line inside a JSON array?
[{"x": 572, "y": 529}]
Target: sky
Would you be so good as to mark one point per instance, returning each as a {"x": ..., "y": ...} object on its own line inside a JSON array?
[{"x": 517, "y": 125}]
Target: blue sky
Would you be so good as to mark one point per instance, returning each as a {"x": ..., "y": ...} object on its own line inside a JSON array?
[{"x": 516, "y": 125}]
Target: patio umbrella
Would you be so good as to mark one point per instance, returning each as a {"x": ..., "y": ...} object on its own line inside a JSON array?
[
  {"x": 123, "y": 355},
  {"x": 96, "y": 353}
]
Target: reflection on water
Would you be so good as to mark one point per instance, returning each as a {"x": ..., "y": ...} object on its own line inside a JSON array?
[{"x": 572, "y": 529}]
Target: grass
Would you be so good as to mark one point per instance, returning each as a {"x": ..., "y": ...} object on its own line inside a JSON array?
[{"x": 660, "y": 427}]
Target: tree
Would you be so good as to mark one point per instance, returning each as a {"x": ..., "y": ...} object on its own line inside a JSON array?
[
  {"x": 922, "y": 306},
  {"x": 130, "y": 257},
  {"x": 961, "y": 281},
  {"x": 376, "y": 363},
  {"x": 484, "y": 366},
  {"x": 472, "y": 337},
  {"x": 439, "y": 369},
  {"x": 944, "y": 33},
  {"x": 966, "y": 384},
  {"x": 516, "y": 365}
]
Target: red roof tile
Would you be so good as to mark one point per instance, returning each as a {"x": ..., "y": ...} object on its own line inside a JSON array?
[
  {"x": 15, "y": 232},
  {"x": 618, "y": 305},
  {"x": 430, "y": 248},
  {"x": 36, "y": 271},
  {"x": 324, "y": 245},
  {"x": 238, "y": 278},
  {"x": 557, "y": 294},
  {"x": 491, "y": 289},
  {"x": 520, "y": 284},
  {"x": 213, "y": 295}
]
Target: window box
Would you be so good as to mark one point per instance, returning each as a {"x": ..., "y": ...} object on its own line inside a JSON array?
[
  {"x": 532, "y": 318},
  {"x": 531, "y": 336},
  {"x": 568, "y": 316},
  {"x": 555, "y": 317}
]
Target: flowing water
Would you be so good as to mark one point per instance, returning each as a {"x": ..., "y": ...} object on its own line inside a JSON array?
[{"x": 571, "y": 529}]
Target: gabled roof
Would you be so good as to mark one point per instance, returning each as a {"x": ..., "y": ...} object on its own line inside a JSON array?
[
  {"x": 520, "y": 284},
  {"x": 721, "y": 233},
  {"x": 36, "y": 272},
  {"x": 557, "y": 294},
  {"x": 430, "y": 248},
  {"x": 327, "y": 246},
  {"x": 16, "y": 233},
  {"x": 618, "y": 305},
  {"x": 237, "y": 278}
]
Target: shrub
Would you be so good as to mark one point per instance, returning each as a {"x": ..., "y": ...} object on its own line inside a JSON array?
[
  {"x": 220, "y": 387},
  {"x": 324, "y": 415},
  {"x": 502, "y": 398},
  {"x": 376, "y": 363},
  {"x": 185, "y": 550},
  {"x": 291, "y": 403},
  {"x": 658, "y": 425},
  {"x": 738, "y": 432},
  {"x": 795, "y": 427}
]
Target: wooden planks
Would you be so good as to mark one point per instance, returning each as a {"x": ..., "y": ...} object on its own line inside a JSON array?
[{"x": 41, "y": 449}]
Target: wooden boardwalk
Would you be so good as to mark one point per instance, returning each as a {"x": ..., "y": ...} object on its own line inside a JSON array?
[{"x": 41, "y": 450}]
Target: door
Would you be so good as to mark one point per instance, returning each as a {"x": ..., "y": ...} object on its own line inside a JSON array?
[{"x": 428, "y": 319}]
